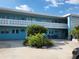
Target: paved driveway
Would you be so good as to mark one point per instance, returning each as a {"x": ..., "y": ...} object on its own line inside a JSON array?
[{"x": 15, "y": 50}]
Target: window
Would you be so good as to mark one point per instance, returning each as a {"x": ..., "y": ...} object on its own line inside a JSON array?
[
  {"x": 22, "y": 30},
  {"x": 49, "y": 32},
  {"x": 23, "y": 18},
  {"x": 17, "y": 31},
  {"x": 33, "y": 18},
  {"x": 8, "y": 17},
  {"x": 52, "y": 32},
  {"x": 13, "y": 31},
  {"x": 30, "y": 18},
  {"x": 2, "y": 16},
  {"x": 2, "y": 32},
  {"x": 6, "y": 32}
]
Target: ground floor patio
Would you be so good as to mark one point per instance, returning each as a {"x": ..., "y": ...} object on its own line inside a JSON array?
[
  {"x": 20, "y": 33},
  {"x": 15, "y": 50}
]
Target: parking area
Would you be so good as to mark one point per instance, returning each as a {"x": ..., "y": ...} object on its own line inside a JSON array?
[{"x": 15, "y": 50}]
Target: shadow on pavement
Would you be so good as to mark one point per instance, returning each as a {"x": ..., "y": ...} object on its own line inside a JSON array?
[
  {"x": 59, "y": 43},
  {"x": 19, "y": 43},
  {"x": 11, "y": 44}
]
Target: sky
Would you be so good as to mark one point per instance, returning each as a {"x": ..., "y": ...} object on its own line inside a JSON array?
[{"x": 52, "y": 7}]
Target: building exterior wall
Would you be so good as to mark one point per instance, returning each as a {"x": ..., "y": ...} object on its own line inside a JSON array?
[
  {"x": 12, "y": 33},
  {"x": 74, "y": 21},
  {"x": 25, "y": 23},
  {"x": 14, "y": 23},
  {"x": 10, "y": 19},
  {"x": 54, "y": 33}
]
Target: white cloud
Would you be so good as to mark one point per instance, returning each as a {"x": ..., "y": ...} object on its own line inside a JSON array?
[
  {"x": 46, "y": 7},
  {"x": 54, "y": 3},
  {"x": 73, "y": 8},
  {"x": 72, "y": 1},
  {"x": 24, "y": 7},
  {"x": 69, "y": 9}
]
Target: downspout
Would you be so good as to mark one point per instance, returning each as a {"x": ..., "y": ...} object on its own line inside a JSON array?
[{"x": 69, "y": 27}]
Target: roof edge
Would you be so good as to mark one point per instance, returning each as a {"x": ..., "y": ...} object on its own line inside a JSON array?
[{"x": 35, "y": 13}]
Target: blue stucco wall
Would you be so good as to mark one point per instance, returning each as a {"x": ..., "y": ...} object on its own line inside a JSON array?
[
  {"x": 20, "y": 36},
  {"x": 12, "y": 21},
  {"x": 12, "y": 36},
  {"x": 31, "y": 18}
]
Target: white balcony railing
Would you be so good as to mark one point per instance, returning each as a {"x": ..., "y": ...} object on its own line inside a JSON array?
[{"x": 25, "y": 23}]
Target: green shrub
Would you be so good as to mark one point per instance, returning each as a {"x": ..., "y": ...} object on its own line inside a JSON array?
[
  {"x": 34, "y": 29},
  {"x": 75, "y": 32},
  {"x": 25, "y": 43},
  {"x": 38, "y": 40},
  {"x": 48, "y": 43}
]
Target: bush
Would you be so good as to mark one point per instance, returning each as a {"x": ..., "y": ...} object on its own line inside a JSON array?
[
  {"x": 75, "y": 32},
  {"x": 38, "y": 40},
  {"x": 34, "y": 29},
  {"x": 25, "y": 43},
  {"x": 48, "y": 43}
]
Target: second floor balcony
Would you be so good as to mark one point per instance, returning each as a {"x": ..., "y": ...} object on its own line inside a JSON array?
[{"x": 25, "y": 23}]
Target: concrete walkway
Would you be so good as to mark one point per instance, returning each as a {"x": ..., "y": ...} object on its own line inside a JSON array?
[{"x": 15, "y": 50}]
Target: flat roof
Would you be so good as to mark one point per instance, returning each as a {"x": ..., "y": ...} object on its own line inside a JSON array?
[
  {"x": 23, "y": 12},
  {"x": 77, "y": 15}
]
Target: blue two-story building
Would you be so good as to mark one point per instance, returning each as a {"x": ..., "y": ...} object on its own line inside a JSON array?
[{"x": 13, "y": 24}]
